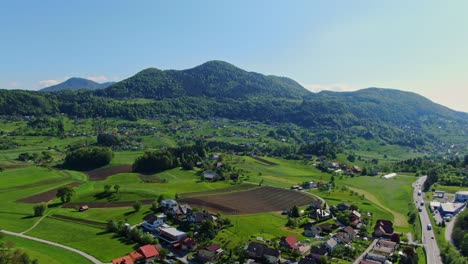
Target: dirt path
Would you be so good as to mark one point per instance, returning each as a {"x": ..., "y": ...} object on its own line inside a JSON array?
[
  {"x": 35, "y": 224},
  {"x": 400, "y": 220},
  {"x": 83, "y": 254}
]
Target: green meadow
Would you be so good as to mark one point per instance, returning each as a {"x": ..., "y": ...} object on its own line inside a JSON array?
[{"x": 46, "y": 253}]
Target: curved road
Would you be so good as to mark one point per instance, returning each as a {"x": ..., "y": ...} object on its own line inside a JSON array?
[
  {"x": 428, "y": 240},
  {"x": 85, "y": 255}
]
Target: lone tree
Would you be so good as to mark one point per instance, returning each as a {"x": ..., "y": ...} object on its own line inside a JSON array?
[
  {"x": 39, "y": 209},
  {"x": 116, "y": 188},
  {"x": 65, "y": 193},
  {"x": 137, "y": 206},
  {"x": 107, "y": 188}
]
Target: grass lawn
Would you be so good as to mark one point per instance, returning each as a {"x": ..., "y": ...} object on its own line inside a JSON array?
[
  {"x": 338, "y": 196},
  {"x": 27, "y": 176},
  {"x": 449, "y": 189},
  {"x": 94, "y": 241},
  {"x": 393, "y": 195},
  {"x": 46, "y": 253},
  {"x": 247, "y": 228},
  {"x": 126, "y": 214}
]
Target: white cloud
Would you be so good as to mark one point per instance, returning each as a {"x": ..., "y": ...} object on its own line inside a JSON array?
[
  {"x": 13, "y": 84},
  {"x": 337, "y": 87},
  {"x": 46, "y": 83},
  {"x": 99, "y": 78}
]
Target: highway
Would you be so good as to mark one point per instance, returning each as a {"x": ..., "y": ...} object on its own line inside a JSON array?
[{"x": 428, "y": 239}]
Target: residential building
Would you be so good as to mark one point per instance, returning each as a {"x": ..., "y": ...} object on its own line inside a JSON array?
[
  {"x": 312, "y": 230},
  {"x": 210, "y": 253},
  {"x": 331, "y": 244},
  {"x": 262, "y": 252},
  {"x": 289, "y": 242},
  {"x": 170, "y": 234},
  {"x": 169, "y": 204},
  {"x": 123, "y": 260},
  {"x": 383, "y": 228}
]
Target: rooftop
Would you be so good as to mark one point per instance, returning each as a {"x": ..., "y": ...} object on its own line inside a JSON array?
[{"x": 451, "y": 207}]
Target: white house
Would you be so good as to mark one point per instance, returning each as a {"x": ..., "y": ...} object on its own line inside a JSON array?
[
  {"x": 171, "y": 234},
  {"x": 152, "y": 222}
]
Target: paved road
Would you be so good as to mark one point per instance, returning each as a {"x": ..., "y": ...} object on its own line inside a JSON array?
[
  {"x": 430, "y": 243},
  {"x": 85, "y": 255}
]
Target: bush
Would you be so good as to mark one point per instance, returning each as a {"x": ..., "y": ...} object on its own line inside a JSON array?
[{"x": 39, "y": 209}]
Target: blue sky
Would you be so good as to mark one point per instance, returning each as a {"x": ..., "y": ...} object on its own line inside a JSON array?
[{"x": 417, "y": 46}]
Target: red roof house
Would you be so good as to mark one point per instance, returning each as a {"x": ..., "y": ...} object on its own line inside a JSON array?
[
  {"x": 289, "y": 242},
  {"x": 123, "y": 260},
  {"x": 148, "y": 251},
  {"x": 136, "y": 255}
]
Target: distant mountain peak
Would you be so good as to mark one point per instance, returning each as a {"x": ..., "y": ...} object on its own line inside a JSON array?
[
  {"x": 214, "y": 79},
  {"x": 76, "y": 83}
]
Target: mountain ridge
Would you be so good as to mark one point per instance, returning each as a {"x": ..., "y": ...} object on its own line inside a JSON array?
[
  {"x": 218, "y": 89},
  {"x": 76, "y": 83}
]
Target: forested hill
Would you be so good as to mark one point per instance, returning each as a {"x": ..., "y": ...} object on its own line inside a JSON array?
[
  {"x": 76, "y": 84},
  {"x": 214, "y": 79},
  {"x": 219, "y": 89}
]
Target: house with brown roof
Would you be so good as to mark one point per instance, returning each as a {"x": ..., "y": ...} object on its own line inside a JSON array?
[
  {"x": 261, "y": 252},
  {"x": 148, "y": 251},
  {"x": 383, "y": 228},
  {"x": 200, "y": 217},
  {"x": 210, "y": 253},
  {"x": 385, "y": 247},
  {"x": 123, "y": 260},
  {"x": 189, "y": 244},
  {"x": 289, "y": 242},
  {"x": 144, "y": 253},
  {"x": 345, "y": 235},
  {"x": 136, "y": 256}
]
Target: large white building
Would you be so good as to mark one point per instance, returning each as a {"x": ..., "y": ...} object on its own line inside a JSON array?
[{"x": 461, "y": 196}]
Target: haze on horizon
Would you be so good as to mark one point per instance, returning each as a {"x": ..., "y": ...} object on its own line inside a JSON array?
[{"x": 417, "y": 46}]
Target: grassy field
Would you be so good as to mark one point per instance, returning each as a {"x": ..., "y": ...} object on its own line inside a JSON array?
[
  {"x": 392, "y": 195},
  {"x": 89, "y": 239},
  {"x": 46, "y": 253},
  {"x": 449, "y": 189},
  {"x": 247, "y": 228}
]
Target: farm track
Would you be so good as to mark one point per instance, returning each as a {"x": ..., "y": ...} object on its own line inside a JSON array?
[
  {"x": 259, "y": 200},
  {"x": 102, "y": 173},
  {"x": 45, "y": 196}
]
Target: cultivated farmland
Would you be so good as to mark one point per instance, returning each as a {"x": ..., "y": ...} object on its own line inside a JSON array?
[{"x": 264, "y": 199}]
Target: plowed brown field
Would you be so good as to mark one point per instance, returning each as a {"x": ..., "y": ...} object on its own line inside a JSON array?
[{"x": 264, "y": 199}]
